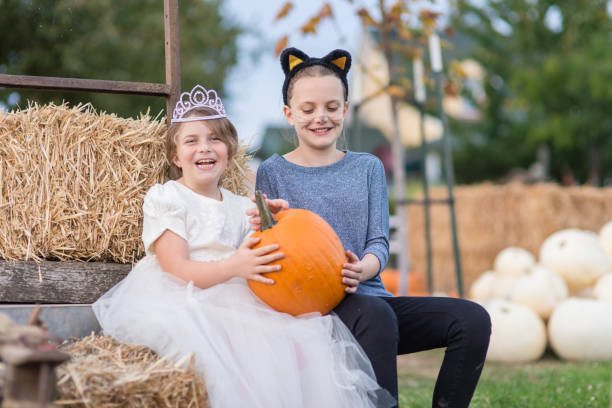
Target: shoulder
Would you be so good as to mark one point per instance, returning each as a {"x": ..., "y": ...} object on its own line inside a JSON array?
[
  {"x": 364, "y": 160},
  {"x": 163, "y": 198},
  {"x": 270, "y": 163}
]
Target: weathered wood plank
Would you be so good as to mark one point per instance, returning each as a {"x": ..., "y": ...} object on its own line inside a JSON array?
[
  {"x": 84, "y": 85},
  {"x": 57, "y": 282},
  {"x": 172, "y": 47}
]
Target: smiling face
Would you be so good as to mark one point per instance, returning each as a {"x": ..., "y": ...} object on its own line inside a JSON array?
[
  {"x": 202, "y": 156},
  {"x": 316, "y": 110}
]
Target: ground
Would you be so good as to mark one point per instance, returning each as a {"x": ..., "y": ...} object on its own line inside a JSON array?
[{"x": 547, "y": 383}]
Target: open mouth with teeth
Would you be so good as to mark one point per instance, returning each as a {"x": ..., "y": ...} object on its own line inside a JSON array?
[
  {"x": 321, "y": 131},
  {"x": 205, "y": 164}
]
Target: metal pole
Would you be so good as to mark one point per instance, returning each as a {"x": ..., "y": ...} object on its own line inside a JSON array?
[
  {"x": 420, "y": 97},
  {"x": 436, "y": 66}
]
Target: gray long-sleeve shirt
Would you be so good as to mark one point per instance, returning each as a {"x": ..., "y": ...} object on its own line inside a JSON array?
[{"x": 351, "y": 195}]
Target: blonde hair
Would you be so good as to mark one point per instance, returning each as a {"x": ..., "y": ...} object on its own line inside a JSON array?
[{"x": 222, "y": 128}]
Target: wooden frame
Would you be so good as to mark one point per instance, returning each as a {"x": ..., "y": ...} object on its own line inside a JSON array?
[
  {"x": 84, "y": 282},
  {"x": 170, "y": 90}
]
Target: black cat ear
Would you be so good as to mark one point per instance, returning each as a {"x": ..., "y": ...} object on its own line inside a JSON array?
[
  {"x": 291, "y": 58},
  {"x": 340, "y": 58}
]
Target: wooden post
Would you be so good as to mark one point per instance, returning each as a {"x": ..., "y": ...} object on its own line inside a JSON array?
[{"x": 173, "y": 63}]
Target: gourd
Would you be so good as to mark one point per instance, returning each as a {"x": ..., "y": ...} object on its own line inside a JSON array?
[
  {"x": 513, "y": 261},
  {"x": 310, "y": 279},
  {"x": 576, "y": 255},
  {"x": 605, "y": 237},
  {"x": 581, "y": 329},
  {"x": 603, "y": 287},
  {"x": 541, "y": 290},
  {"x": 391, "y": 280},
  {"x": 518, "y": 335}
]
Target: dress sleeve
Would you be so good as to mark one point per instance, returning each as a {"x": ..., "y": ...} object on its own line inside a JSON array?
[
  {"x": 377, "y": 240},
  {"x": 162, "y": 211}
]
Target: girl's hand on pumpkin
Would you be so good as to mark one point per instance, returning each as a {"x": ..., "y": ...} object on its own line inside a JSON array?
[
  {"x": 275, "y": 206},
  {"x": 251, "y": 263},
  {"x": 351, "y": 272}
]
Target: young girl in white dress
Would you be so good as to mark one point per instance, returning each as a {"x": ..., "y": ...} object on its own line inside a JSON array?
[{"x": 189, "y": 293}]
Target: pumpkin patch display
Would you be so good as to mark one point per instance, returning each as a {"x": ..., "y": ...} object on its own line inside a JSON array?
[
  {"x": 416, "y": 281},
  {"x": 603, "y": 287},
  {"x": 513, "y": 261},
  {"x": 605, "y": 237},
  {"x": 581, "y": 329},
  {"x": 541, "y": 290},
  {"x": 310, "y": 279},
  {"x": 576, "y": 255},
  {"x": 518, "y": 335}
]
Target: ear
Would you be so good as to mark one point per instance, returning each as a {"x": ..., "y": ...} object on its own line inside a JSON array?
[
  {"x": 176, "y": 161},
  {"x": 291, "y": 58},
  {"x": 346, "y": 108},
  {"x": 340, "y": 58},
  {"x": 288, "y": 116}
]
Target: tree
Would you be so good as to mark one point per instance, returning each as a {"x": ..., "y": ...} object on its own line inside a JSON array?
[
  {"x": 102, "y": 39},
  {"x": 548, "y": 70}
]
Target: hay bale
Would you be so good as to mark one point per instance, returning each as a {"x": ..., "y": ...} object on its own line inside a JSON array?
[
  {"x": 493, "y": 217},
  {"x": 72, "y": 182},
  {"x": 105, "y": 373}
]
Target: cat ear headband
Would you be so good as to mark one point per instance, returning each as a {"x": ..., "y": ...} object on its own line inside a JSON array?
[
  {"x": 293, "y": 60},
  {"x": 199, "y": 97}
]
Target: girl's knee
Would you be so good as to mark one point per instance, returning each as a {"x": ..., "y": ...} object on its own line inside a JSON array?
[{"x": 476, "y": 321}]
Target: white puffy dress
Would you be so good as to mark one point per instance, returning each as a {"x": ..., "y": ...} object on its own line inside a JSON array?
[{"x": 249, "y": 354}]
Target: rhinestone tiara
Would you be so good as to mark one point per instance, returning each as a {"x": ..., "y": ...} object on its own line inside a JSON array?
[{"x": 198, "y": 97}]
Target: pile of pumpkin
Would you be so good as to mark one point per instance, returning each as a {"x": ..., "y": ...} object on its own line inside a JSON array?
[{"x": 563, "y": 299}]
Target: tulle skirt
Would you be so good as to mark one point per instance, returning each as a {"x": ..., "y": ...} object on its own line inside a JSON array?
[{"x": 249, "y": 354}]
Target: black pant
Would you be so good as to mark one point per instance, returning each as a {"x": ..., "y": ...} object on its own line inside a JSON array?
[{"x": 388, "y": 326}]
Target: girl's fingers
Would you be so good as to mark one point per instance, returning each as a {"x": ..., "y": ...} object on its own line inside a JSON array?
[
  {"x": 266, "y": 259},
  {"x": 350, "y": 282},
  {"x": 249, "y": 242},
  {"x": 268, "y": 268},
  {"x": 350, "y": 289},
  {"x": 261, "y": 279},
  {"x": 264, "y": 250},
  {"x": 352, "y": 267},
  {"x": 352, "y": 258}
]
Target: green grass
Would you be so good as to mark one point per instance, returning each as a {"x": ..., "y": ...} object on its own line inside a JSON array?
[{"x": 548, "y": 383}]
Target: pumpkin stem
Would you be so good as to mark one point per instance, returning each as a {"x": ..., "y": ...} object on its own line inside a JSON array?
[{"x": 267, "y": 221}]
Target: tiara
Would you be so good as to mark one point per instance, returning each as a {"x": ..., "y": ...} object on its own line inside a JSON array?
[{"x": 199, "y": 97}]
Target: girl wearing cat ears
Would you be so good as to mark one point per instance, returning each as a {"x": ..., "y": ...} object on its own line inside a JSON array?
[{"x": 348, "y": 189}]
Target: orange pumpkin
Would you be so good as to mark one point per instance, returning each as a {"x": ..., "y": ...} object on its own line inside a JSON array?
[
  {"x": 417, "y": 282},
  {"x": 310, "y": 279}
]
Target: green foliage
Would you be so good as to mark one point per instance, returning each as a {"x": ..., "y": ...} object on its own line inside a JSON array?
[
  {"x": 548, "y": 70},
  {"x": 115, "y": 40}
]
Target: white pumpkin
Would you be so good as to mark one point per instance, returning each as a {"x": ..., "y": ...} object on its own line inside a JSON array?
[
  {"x": 518, "y": 335},
  {"x": 576, "y": 255},
  {"x": 513, "y": 261},
  {"x": 541, "y": 291},
  {"x": 605, "y": 238},
  {"x": 504, "y": 286},
  {"x": 483, "y": 287},
  {"x": 603, "y": 287},
  {"x": 581, "y": 329}
]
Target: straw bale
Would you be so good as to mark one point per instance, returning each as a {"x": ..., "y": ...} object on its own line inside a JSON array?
[
  {"x": 72, "y": 182},
  {"x": 105, "y": 373},
  {"x": 493, "y": 217}
]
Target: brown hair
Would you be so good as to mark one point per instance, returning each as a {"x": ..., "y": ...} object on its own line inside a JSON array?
[
  {"x": 222, "y": 128},
  {"x": 312, "y": 71}
]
